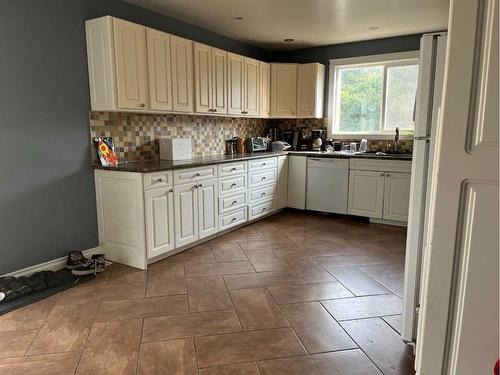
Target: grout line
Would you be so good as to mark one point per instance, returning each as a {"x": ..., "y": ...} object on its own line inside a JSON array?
[{"x": 139, "y": 348}]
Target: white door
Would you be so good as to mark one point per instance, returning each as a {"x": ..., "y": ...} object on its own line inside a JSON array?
[
  {"x": 159, "y": 70},
  {"x": 182, "y": 74},
  {"x": 131, "y": 64},
  {"x": 283, "y": 90},
  {"x": 219, "y": 81},
  {"x": 159, "y": 207},
  {"x": 458, "y": 330},
  {"x": 297, "y": 177},
  {"x": 235, "y": 84},
  {"x": 202, "y": 78},
  {"x": 396, "y": 196},
  {"x": 366, "y": 193},
  {"x": 306, "y": 93},
  {"x": 282, "y": 183},
  {"x": 208, "y": 212},
  {"x": 186, "y": 214},
  {"x": 265, "y": 89},
  {"x": 251, "y": 91}
]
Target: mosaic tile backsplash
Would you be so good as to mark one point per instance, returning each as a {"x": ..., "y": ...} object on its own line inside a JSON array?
[{"x": 135, "y": 136}]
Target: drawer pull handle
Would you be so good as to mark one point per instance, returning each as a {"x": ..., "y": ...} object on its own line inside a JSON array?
[
  {"x": 233, "y": 184},
  {"x": 160, "y": 179},
  {"x": 381, "y": 175},
  {"x": 171, "y": 190},
  {"x": 388, "y": 175},
  {"x": 197, "y": 174},
  {"x": 233, "y": 220},
  {"x": 263, "y": 194},
  {"x": 263, "y": 178},
  {"x": 264, "y": 209},
  {"x": 233, "y": 203},
  {"x": 233, "y": 169},
  {"x": 263, "y": 164},
  {"x": 200, "y": 185}
]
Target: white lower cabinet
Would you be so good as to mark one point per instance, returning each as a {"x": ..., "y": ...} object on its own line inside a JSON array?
[
  {"x": 282, "y": 182},
  {"x": 297, "y": 174},
  {"x": 232, "y": 219},
  {"x": 208, "y": 212},
  {"x": 396, "y": 196},
  {"x": 186, "y": 214},
  {"x": 260, "y": 210},
  {"x": 366, "y": 193},
  {"x": 159, "y": 208}
]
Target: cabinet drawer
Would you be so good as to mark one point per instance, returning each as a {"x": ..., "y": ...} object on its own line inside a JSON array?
[
  {"x": 403, "y": 166},
  {"x": 260, "y": 210},
  {"x": 261, "y": 195},
  {"x": 234, "y": 218},
  {"x": 232, "y": 202},
  {"x": 232, "y": 184},
  {"x": 262, "y": 178},
  {"x": 185, "y": 176},
  {"x": 259, "y": 164},
  {"x": 231, "y": 169},
  {"x": 157, "y": 180}
]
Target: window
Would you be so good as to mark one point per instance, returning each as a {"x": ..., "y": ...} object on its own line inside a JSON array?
[{"x": 373, "y": 95}]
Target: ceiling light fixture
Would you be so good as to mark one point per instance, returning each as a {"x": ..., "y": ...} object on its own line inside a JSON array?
[{"x": 288, "y": 40}]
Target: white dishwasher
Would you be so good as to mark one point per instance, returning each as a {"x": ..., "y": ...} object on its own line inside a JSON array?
[{"x": 327, "y": 184}]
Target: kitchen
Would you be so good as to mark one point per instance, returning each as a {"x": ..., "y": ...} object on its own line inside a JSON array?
[{"x": 264, "y": 198}]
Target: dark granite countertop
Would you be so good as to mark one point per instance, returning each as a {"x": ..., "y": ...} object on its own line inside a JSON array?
[{"x": 150, "y": 166}]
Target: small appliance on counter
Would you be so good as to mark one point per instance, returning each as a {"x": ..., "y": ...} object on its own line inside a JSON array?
[
  {"x": 280, "y": 146},
  {"x": 231, "y": 146},
  {"x": 256, "y": 144},
  {"x": 317, "y": 139},
  {"x": 175, "y": 149}
]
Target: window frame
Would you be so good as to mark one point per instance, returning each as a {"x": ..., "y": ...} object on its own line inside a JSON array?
[{"x": 387, "y": 60}]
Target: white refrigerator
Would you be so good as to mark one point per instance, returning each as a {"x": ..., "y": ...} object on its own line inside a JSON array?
[{"x": 427, "y": 107}]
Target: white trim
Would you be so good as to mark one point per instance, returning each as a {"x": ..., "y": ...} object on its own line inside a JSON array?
[
  {"x": 389, "y": 59},
  {"x": 51, "y": 265}
]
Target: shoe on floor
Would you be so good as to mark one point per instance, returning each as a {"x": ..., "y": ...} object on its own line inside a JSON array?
[
  {"x": 94, "y": 266},
  {"x": 75, "y": 259}
]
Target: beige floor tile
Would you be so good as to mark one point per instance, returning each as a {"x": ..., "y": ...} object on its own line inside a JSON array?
[
  {"x": 147, "y": 307},
  {"x": 166, "y": 279},
  {"x": 208, "y": 293},
  {"x": 228, "y": 252},
  {"x": 309, "y": 292},
  {"x": 394, "y": 284},
  {"x": 308, "y": 270},
  {"x": 45, "y": 364},
  {"x": 121, "y": 273},
  {"x": 168, "y": 357},
  {"x": 350, "y": 259},
  {"x": 195, "y": 255},
  {"x": 395, "y": 321},
  {"x": 261, "y": 279},
  {"x": 91, "y": 294},
  {"x": 16, "y": 343},
  {"x": 266, "y": 245},
  {"x": 317, "y": 330},
  {"x": 383, "y": 345},
  {"x": 396, "y": 269},
  {"x": 352, "y": 362},
  {"x": 190, "y": 325},
  {"x": 249, "y": 368},
  {"x": 218, "y": 269},
  {"x": 257, "y": 310},
  {"x": 112, "y": 348},
  {"x": 66, "y": 329},
  {"x": 364, "y": 307},
  {"x": 247, "y": 346},
  {"x": 357, "y": 281},
  {"x": 28, "y": 317},
  {"x": 266, "y": 260}
]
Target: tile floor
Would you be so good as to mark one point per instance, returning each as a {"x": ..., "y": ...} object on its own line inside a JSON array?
[{"x": 291, "y": 294}]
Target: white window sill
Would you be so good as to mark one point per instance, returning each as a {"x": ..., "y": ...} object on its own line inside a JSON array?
[{"x": 374, "y": 136}]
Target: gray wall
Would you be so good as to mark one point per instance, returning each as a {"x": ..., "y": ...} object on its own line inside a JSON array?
[
  {"x": 47, "y": 199},
  {"x": 324, "y": 53}
]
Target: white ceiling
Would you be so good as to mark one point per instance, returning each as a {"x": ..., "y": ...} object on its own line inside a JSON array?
[{"x": 310, "y": 22}]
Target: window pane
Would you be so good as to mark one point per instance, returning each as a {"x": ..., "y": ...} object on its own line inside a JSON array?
[
  {"x": 400, "y": 97},
  {"x": 360, "y": 99}
]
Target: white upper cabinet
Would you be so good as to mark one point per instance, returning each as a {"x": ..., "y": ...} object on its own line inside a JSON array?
[
  {"x": 131, "y": 64},
  {"x": 235, "y": 84},
  {"x": 159, "y": 70},
  {"x": 251, "y": 88},
  {"x": 310, "y": 90},
  {"x": 182, "y": 74},
  {"x": 210, "y": 71},
  {"x": 283, "y": 90},
  {"x": 265, "y": 89}
]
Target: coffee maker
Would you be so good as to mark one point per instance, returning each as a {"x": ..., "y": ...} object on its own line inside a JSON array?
[{"x": 317, "y": 139}]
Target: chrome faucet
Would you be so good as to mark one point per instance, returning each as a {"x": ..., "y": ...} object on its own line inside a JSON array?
[{"x": 396, "y": 140}]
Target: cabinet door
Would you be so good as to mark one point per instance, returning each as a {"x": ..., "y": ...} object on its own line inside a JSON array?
[
  {"x": 396, "y": 196},
  {"x": 282, "y": 185},
  {"x": 219, "y": 81},
  {"x": 283, "y": 90},
  {"x": 306, "y": 95},
  {"x": 235, "y": 67},
  {"x": 208, "y": 213},
  {"x": 159, "y": 221},
  {"x": 265, "y": 83},
  {"x": 202, "y": 78},
  {"x": 366, "y": 193},
  {"x": 186, "y": 214},
  {"x": 251, "y": 92},
  {"x": 182, "y": 74},
  {"x": 131, "y": 64},
  {"x": 297, "y": 170},
  {"x": 159, "y": 70}
]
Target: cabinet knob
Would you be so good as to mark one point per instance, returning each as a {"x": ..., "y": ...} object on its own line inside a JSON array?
[
  {"x": 382, "y": 175},
  {"x": 160, "y": 179},
  {"x": 142, "y": 105},
  {"x": 197, "y": 174},
  {"x": 263, "y": 178},
  {"x": 200, "y": 185},
  {"x": 214, "y": 110},
  {"x": 388, "y": 175},
  {"x": 263, "y": 194},
  {"x": 171, "y": 190},
  {"x": 264, "y": 209}
]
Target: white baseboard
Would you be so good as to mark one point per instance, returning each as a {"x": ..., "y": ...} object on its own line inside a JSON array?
[
  {"x": 51, "y": 265},
  {"x": 389, "y": 222}
]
